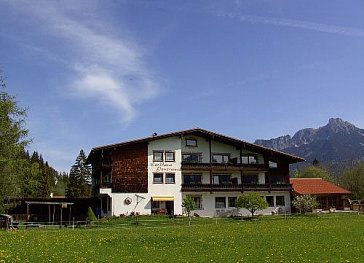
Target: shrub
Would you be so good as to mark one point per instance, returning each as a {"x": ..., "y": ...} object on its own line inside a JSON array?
[
  {"x": 304, "y": 203},
  {"x": 90, "y": 216}
]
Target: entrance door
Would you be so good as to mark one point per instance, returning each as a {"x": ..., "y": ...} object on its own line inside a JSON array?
[{"x": 170, "y": 207}]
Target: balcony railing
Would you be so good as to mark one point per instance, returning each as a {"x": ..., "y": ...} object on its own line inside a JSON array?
[
  {"x": 106, "y": 185},
  {"x": 223, "y": 166},
  {"x": 235, "y": 187}
]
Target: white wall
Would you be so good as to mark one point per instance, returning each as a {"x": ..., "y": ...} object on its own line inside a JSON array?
[
  {"x": 178, "y": 145},
  {"x": 208, "y": 203},
  {"x": 202, "y": 147},
  {"x": 167, "y": 144}
]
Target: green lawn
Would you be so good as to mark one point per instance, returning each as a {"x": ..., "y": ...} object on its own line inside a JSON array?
[{"x": 321, "y": 238}]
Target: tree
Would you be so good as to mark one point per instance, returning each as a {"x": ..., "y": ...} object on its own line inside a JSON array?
[
  {"x": 353, "y": 180},
  {"x": 60, "y": 184},
  {"x": 13, "y": 136},
  {"x": 79, "y": 183},
  {"x": 314, "y": 171},
  {"x": 304, "y": 203},
  {"x": 189, "y": 204},
  {"x": 251, "y": 201},
  {"x": 315, "y": 162}
]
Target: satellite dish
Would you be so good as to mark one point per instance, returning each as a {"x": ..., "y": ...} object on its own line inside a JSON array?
[{"x": 127, "y": 201}]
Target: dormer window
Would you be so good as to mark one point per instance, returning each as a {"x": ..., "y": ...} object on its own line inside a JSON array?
[{"x": 191, "y": 142}]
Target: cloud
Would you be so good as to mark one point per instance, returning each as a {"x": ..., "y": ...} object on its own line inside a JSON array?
[
  {"x": 108, "y": 90},
  {"x": 106, "y": 67},
  {"x": 293, "y": 23}
]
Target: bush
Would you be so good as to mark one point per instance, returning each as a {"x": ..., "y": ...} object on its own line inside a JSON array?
[
  {"x": 90, "y": 216},
  {"x": 304, "y": 203}
]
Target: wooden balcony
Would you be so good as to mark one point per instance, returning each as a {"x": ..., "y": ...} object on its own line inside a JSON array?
[
  {"x": 223, "y": 166},
  {"x": 235, "y": 187}
]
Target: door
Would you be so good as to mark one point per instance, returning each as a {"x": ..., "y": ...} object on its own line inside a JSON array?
[{"x": 170, "y": 207}]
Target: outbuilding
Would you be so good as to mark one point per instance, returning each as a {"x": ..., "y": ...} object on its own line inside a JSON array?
[{"x": 328, "y": 195}]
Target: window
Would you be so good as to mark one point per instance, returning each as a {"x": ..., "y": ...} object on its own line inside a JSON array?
[
  {"x": 232, "y": 201},
  {"x": 158, "y": 178},
  {"x": 250, "y": 179},
  {"x": 158, "y": 156},
  {"x": 280, "y": 200},
  {"x": 270, "y": 200},
  {"x": 170, "y": 179},
  {"x": 169, "y": 156},
  {"x": 191, "y": 142},
  {"x": 192, "y": 179},
  {"x": 273, "y": 164},
  {"x": 249, "y": 159},
  {"x": 277, "y": 179},
  {"x": 198, "y": 201},
  {"x": 191, "y": 157},
  {"x": 155, "y": 204},
  {"x": 220, "y": 202},
  {"x": 221, "y": 179},
  {"x": 220, "y": 158}
]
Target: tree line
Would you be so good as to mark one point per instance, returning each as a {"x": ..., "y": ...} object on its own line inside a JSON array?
[
  {"x": 25, "y": 175},
  {"x": 352, "y": 178}
]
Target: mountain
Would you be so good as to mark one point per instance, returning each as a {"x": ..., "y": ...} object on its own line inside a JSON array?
[{"x": 337, "y": 144}]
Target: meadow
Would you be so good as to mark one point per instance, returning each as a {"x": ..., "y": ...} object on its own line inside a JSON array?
[{"x": 317, "y": 238}]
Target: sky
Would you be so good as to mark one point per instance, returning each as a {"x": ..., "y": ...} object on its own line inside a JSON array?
[{"x": 94, "y": 72}]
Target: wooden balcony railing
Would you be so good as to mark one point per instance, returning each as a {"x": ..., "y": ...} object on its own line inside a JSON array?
[
  {"x": 235, "y": 187},
  {"x": 223, "y": 166}
]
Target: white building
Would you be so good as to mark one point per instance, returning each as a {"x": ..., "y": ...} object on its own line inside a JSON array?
[{"x": 154, "y": 174}]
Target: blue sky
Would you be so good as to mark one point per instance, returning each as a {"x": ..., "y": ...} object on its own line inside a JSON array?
[{"x": 99, "y": 72}]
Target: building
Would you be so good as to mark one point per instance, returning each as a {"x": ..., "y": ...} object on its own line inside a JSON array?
[
  {"x": 154, "y": 174},
  {"x": 327, "y": 194}
]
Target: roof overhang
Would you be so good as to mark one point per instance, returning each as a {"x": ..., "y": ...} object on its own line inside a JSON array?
[{"x": 201, "y": 133}]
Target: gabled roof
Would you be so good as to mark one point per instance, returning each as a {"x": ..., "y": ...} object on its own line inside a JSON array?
[
  {"x": 201, "y": 133},
  {"x": 315, "y": 186}
]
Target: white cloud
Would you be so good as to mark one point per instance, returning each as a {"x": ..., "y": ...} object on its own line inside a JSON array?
[
  {"x": 108, "y": 90},
  {"x": 293, "y": 23},
  {"x": 106, "y": 67}
]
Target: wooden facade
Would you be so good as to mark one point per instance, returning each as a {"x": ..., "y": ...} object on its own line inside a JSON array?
[{"x": 130, "y": 169}]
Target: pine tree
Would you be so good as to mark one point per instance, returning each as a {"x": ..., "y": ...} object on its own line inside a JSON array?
[
  {"x": 79, "y": 183},
  {"x": 12, "y": 142}
]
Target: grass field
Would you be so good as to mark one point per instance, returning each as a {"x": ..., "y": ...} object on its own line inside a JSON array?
[{"x": 320, "y": 238}]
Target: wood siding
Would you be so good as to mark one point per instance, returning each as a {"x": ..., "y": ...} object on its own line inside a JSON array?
[{"x": 130, "y": 169}]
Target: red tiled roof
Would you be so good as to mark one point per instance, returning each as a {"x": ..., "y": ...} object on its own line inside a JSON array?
[{"x": 315, "y": 186}]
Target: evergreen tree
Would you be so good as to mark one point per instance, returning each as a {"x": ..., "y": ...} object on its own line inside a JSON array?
[
  {"x": 12, "y": 142},
  {"x": 60, "y": 184},
  {"x": 79, "y": 184},
  {"x": 46, "y": 180},
  {"x": 30, "y": 186}
]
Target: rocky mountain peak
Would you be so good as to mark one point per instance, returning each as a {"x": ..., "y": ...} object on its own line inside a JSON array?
[
  {"x": 337, "y": 125},
  {"x": 338, "y": 142}
]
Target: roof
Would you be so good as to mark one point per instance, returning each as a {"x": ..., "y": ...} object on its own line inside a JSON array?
[
  {"x": 202, "y": 133},
  {"x": 315, "y": 186}
]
